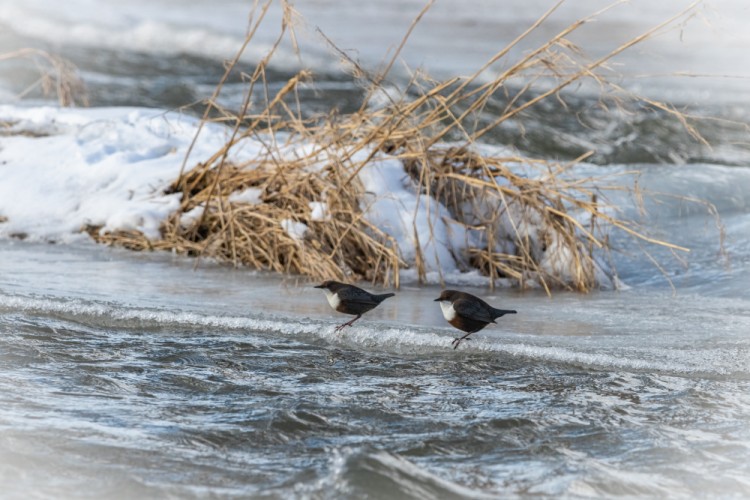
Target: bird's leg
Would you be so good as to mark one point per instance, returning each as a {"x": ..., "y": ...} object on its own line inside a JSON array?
[
  {"x": 457, "y": 341},
  {"x": 348, "y": 323}
]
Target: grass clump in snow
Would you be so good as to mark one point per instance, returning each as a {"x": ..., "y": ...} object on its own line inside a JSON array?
[
  {"x": 319, "y": 198},
  {"x": 56, "y": 76}
]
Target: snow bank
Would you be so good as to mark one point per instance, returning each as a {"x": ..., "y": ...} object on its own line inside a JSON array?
[
  {"x": 415, "y": 221},
  {"x": 63, "y": 169}
]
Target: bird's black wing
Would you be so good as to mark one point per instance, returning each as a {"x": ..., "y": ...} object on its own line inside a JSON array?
[
  {"x": 354, "y": 294},
  {"x": 472, "y": 310}
]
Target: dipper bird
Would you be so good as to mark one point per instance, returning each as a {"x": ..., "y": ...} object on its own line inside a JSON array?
[
  {"x": 349, "y": 299},
  {"x": 467, "y": 312}
]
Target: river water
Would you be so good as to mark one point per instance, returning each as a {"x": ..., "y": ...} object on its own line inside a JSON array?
[{"x": 135, "y": 375}]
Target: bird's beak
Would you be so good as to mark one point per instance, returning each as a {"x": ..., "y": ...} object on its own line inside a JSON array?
[
  {"x": 318, "y": 286},
  {"x": 437, "y": 300}
]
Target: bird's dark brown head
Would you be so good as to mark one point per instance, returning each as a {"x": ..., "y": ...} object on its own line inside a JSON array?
[
  {"x": 448, "y": 295},
  {"x": 330, "y": 285}
]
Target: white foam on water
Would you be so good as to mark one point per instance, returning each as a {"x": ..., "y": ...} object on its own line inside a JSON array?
[
  {"x": 449, "y": 39},
  {"x": 158, "y": 27}
]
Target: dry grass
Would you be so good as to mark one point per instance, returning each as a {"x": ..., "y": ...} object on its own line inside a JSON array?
[
  {"x": 549, "y": 229},
  {"x": 57, "y": 76}
]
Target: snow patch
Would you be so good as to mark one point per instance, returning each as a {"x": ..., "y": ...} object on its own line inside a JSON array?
[
  {"x": 250, "y": 195},
  {"x": 294, "y": 228},
  {"x": 63, "y": 169},
  {"x": 319, "y": 211}
]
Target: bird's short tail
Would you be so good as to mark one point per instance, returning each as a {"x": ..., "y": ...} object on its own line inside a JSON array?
[
  {"x": 502, "y": 312},
  {"x": 382, "y": 297}
]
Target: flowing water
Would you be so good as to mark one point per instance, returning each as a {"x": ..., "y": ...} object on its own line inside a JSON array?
[
  {"x": 130, "y": 375},
  {"x": 135, "y": 375}
]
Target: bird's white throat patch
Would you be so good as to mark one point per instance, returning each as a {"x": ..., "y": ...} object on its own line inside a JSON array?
[
  {"x": 448, "y": 312},
  {"x": 333, "y": 298}
]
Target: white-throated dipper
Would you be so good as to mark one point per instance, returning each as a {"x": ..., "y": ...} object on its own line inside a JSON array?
[
  {"x": 467, "y": 312},
  {"x": 349, "y": 299}
]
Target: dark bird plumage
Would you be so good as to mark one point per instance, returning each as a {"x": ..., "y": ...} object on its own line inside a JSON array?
[
  {"x": 467, "y": 312},
  {"x": 349, "y": 299}
]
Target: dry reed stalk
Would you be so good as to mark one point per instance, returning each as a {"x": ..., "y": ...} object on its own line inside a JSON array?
[
  {"x": 57, "y": 76},
  {"x": 546, "y": 229},
  {"x": 340, "y": 245}
]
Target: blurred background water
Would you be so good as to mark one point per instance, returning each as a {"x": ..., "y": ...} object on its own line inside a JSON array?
[{"x": 129, "y": 375}]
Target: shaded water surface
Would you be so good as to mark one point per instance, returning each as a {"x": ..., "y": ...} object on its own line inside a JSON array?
[{"x": 212, "y": 382}]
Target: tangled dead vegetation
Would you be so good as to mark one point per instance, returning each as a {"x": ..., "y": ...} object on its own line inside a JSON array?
[{"x": 300, "y": 206}]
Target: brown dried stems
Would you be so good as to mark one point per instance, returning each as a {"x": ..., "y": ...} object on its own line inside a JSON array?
[
  {"x": 57, "y": 76},
  {"x": 533, "y": 222}
]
